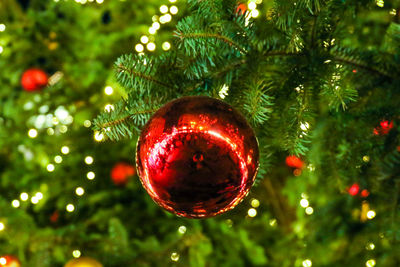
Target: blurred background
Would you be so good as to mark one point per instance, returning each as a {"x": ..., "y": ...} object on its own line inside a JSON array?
[{"x": 65, "y": 194}]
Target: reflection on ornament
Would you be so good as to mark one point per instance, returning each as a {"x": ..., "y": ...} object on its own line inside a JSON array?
[
  {"x": 294, "y": 162},
  {"x": 383, "y": 128},
  {"x": 121, "y": 173},
  {"x": 197, "y": 157},
  {"x": 354, "y": 189},
  {"x": 9, "y": 261},
  {"x": 83, "y": 262}
]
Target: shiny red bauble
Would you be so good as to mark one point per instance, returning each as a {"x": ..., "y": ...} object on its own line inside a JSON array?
[
  {"x": 9, "y": 261},
  {"x": 121, "y": 172},
  {"x": 294, "y": 162},
  {"x": 34, "y": 80},
  {"x": 197, "y": 157},
  {"x": 354, "y": 189}
]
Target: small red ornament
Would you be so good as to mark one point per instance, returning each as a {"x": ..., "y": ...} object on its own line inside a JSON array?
[
  {"x": 9, "y": 261},
  {"x": 241, "y": 9},
  {"x": 383, "y": 128},
  {"x": 121, "y": 172},
  {"x": 197, "y": 157},
  {"x": 354, "y": 189},
  {"x": 34, "y": 80},
  {"x": 364, "y": 193},
  {"x": 294, "y": 162}
]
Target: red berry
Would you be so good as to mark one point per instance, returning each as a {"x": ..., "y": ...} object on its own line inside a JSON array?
[{"x": 34, "y": 80}]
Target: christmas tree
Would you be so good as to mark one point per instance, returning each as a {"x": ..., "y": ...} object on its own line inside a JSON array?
[{"x": 316, "y": 80}]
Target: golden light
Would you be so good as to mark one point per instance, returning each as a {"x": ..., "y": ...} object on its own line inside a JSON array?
[
  {"x": 32, "y": 133},
  {"x": 34, "y": 200},
  {"x": 380, "y": 3},
  {"x": 251, "y": 6},
  {"x": 254, "y": 13},
  {"x": 365, "y": 158},
  {"x": 309, "y": 210},
  {"x": 165, "y": 18},
  {"x": 156, "y": 25},
  {"x": 370, "y": 246},
  {"x": 139, "y": 48},
  {"x": 371, "y": 214},
  {"x": 108, "y": 90},
  {"x": 163, "y": 9},
  {"x": 1, "y": 49},
  {"x": 58, "y": 159},
  {"x": 3, "y": 261},
  {"x": 39, "y": 195},
  {"x": 90, "y": 175},
  {"x": 70, "y": 208},
  {"x": 151, "y": 46},
  {"x": 304, "y": 203},
  {"x": 99, "y": 1},
  {"x": 166, "y": 46},
  {"x": 89, "y": 160},
  {"x": 50, "y": 131},
  {"x": 65, "y": 150},
  {"x": 2, "y": 27},
  {"x": 252, "y": 212},
  {"x": 307, "y": 263},
  {"x": 173, "y": 10},
  {"x": 182, "y": 229},
  {"x": 87, "y": 123},
  {"x": 76, "y": 253},
  {"x": 370, "y": 263},
  {"x": 50, "y": 167},
  {"x": 174, "y": 256},
  {"x": 15, "y": 203},
  {"x": 2, "y": 226},
  {"x": 79, "y": 191},
  {"x": 255, "y": 203},
  {"x": 24, "y": 196},
  {"x": 98, "y": 136},
  {"x": 109, "y": 107},
  {"x": 144, "y": 39}
]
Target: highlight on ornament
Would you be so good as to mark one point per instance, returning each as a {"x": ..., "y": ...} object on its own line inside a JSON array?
[{"x": 197, "y": 157}]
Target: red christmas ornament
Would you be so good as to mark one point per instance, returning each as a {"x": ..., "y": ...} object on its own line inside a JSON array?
[
  {"x": 121, "y": 173},
  {"x": 34, "y": 80},
  {"x": 354, "y": 189},
  {"x": 9, "y": 261},
  {"x": 364, "y": 193},
  {"x": 197, "y": 157},
  {"x": 241, "y": 9},
  {"x": 294, "y": 162},
  {"x": 383, "y": 128},
  {"x": 54, "y": 217}
]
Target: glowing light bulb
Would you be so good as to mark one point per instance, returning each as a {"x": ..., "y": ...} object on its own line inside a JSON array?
[
  {"x": 182, "y": 229},
  {"x": 3, "y": 261},
  {"x": 76, "y": 253},
  {"x": 304, "y": 126},
  {"x": 144, "y": 39},
  {"x": 1, "y": 49},
  {"x": 90, "y": 175},
  {"x": 255, "y": 203},
  {"x": 370, "y": 246},
  {"x": 15, "y": 203},
  {"x": 380, "y": 3},
  {"x": 80, "y": 191},
  {"x": 254, "y": 13},
  {"x": 99, "y": 1},
  {"x": 252, "y": 212},
  {"x": 151, "y": 46},
  {"x": 50, "y": 131},
  {"x": 152, "y": 30},
  {"x": 174, "y": 256},
  {"x": 24, "y": 196},
  {"x": 50, "y": 167},
  {"x": 163, "y": 9},
  {"x": 2, "y": 226},
  {"x": 108, "y": 90},
  {"x": 70, "y": 208},
  {"x": 371, "y": 214},
  {"x": 139, "y": 48},
  {"x": 89, "y": 160},
  {"x": 109, "y": 107},
  {"x": 2, "y": 27},
  {"x": 370, "y": 263},
  {"x": 34, "y": 200},
  {"x": 173, "y": 10},
  {"x": 58, "y": 159},
  {"x": 65, "y": 150},
  {"x": 172, "y": 1},
  {"x": 365, "y": 158},
  {"x": 156, "y": 25},
  {"x": 39, "y": 195},
  {"x": 87, "y": 123},
  {"x": 309, "y": 210},
  {"x": 98, "y": 136},
  {"x": 32, "y": 133},
  {"x": 304, "y": 203},
  {"x": 251, "y": 6},
  {"x": 166, "y": 46},
  {"x": 307, "y": 263},
  {"x": 165, "y": 18}
]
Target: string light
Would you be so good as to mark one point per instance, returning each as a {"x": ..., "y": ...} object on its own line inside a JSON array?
[
  {"x": 166, "y": 46},
  {"x": 3, "y": 261},
  {"x": 108, "y": 90},
  {"x": 365, "y": 158},
  {"x": 99, "y": 1},
  {"x": 39, "y": 195},
  {"x": 304, "y": 126},
  {"x": 173, "y": 10},
  {"x": 252, "y": 212},
  {"x": 255, "y": 203},
  {"x": 272, "y": 222},
  {"x": 380, "y": 3},
  {"x": 152, "y": 30},
  {"x": 89, "y": 160},
  {"x": 370, "y": 246},
  {"x": 370, "y": 263},
  {"x": 76, "y": 253},
  {"x": 50, "y": 131},
  {"x": 151, "y": 46},
  {"x": 65, "y": 150},
  {"x": 79, "y": 191},
  {"x": 98, "y": 136},
  {"x": 156, "y": 25},
  {"x": 1, "y": 49},
  {"x": 307, "y": 263},
  {"x": 165, "y": 18},
  {"x": 2, "y": 226},
  {"x": 87, "y": 123},
  {"x": 254, "y": 13},
  {"x": 15, "y": 203},
  {"x": 109, "y": 107},
  {"x": 34, "y": 200},
  {"x": 2, "y": 27},
  {"x": 50, "y": 167},
  {"x": 163, "y": 9},
  {"x": 144, "y": 39},
  {"x": 139, "y": 47},
  {"x": 174, "y": 256},
  {"x": 371, "y": 214},
  {"x": 304, "y": 203},
  {"x": 172, "y": 1},
  {"x": 309, "y": 210},
  {"x": 24, "y": 196},
  {"x": 32, "y": 133},
  {"x": 58, "y": 159},
  {"x": 90, "y": 175},
  {"x": 70, "y": 208},
  {"x": 182, "y": 229}
]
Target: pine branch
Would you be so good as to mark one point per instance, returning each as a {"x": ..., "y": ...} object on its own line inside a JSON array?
[
  {"x": 361, "y": 65},
  {"x": 224, "y": 39}
]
